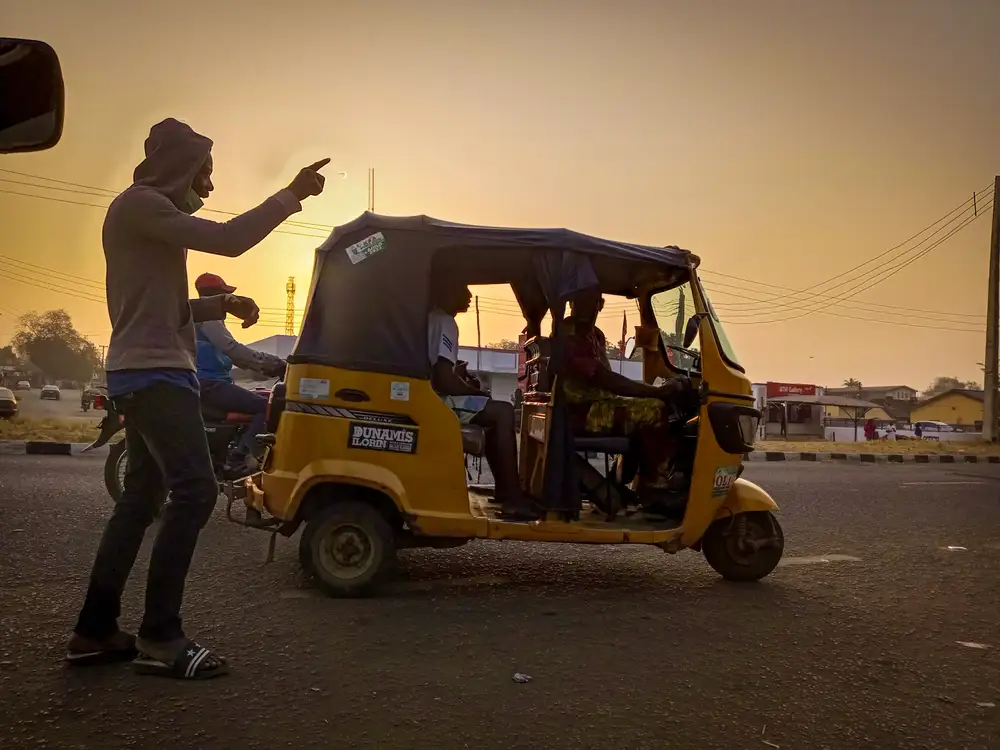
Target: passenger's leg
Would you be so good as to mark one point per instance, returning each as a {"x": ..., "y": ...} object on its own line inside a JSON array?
[
  {"x": 497, "y": 418},
  {"x": 230, "y": 397},
  {"x": 646, "y": 418}
]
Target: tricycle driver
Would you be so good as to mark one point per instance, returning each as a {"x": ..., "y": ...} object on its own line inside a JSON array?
[
  {"x": 603, "y": 402},
  {"x": 471, "y": 405}
]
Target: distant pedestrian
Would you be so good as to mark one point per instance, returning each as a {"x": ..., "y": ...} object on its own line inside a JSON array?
[{"x": 917, "y": 431}]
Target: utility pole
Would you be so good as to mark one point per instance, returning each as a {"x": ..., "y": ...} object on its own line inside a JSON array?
[{"x": 990, "y": 411}]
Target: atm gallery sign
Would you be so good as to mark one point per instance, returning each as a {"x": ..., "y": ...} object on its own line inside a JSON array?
[{"x": 776, "y": 390}]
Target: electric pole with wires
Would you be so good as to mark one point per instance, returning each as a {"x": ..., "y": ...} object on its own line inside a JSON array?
[{"x": 990, "y": 384}]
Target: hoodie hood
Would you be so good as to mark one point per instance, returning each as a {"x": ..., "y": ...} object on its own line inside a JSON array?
[{"x": 174, "y": 154}]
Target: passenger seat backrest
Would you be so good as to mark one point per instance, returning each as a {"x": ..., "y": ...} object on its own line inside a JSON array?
[{"x": 538, "y": 381}]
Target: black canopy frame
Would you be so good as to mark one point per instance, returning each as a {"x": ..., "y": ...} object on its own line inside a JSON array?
[{"x": 368, "y": 302}]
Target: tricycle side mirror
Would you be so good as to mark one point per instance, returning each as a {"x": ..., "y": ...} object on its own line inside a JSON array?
[
  {"x": 33, "y": 97},
  {"x": 691, "y": 331},
  {"x": 629, "y": 347}
]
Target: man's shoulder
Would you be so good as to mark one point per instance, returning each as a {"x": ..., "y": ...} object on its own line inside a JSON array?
[
  {"x": 439, "y": 318},
  {"x": 137, "y": 199}
]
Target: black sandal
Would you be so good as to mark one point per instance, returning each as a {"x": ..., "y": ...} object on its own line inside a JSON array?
[
  {"x": 102, "y": 656},
  {"x": 193, "y": 662}
]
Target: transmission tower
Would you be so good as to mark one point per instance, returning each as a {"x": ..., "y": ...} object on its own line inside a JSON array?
[
  {"x": 290, "y": 307},
  {"x": 371, "y": 189}
]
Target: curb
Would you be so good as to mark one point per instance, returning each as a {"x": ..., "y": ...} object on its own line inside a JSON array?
[
  {"x": 875, "y": 458},
  {"x": 46, "y": 448}
]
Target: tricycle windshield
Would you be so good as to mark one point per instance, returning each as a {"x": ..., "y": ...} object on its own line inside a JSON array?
[
  {"x": 673, "y": 309},
  {"x": 728, "y": 352}
]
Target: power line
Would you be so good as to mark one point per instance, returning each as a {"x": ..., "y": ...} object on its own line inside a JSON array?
[
  {"x": 892, "y": 271},
  {"x": 98, "y": 205},
  {"x": 963, "y": 208},
  {"x": 76, "y": 187},
  {"x": 69, "y": 277}
]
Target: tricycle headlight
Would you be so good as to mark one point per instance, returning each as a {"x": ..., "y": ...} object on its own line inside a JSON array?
[{"x": 748, "y": 428}]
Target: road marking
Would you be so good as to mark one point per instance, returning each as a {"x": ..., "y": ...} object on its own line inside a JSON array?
[
  {"x": 817, "y": 559},
  {"x": 936, "y": 484}
]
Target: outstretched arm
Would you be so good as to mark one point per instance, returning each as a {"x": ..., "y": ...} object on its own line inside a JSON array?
[{"x": 241, "y": 355}]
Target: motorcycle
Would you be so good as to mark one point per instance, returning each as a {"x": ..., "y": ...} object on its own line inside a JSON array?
[{"x": 223, "y": 430}]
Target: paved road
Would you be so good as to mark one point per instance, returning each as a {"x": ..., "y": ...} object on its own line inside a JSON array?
[
  {"x": 68, "y": 407},
  {"x": 628, "y": 647}
]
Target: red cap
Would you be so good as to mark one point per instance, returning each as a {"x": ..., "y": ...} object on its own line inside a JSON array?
[{"x": 211, "y": 281}]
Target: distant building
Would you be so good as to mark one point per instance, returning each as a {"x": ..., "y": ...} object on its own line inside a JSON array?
[
  {"x": 957, "y": 407},
  {"x": 895, "y": 402}
]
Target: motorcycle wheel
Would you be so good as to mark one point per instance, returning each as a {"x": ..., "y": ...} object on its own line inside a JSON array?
[
  {"x": 114, "y": 473},
  {"x": 114, "y": 470}
]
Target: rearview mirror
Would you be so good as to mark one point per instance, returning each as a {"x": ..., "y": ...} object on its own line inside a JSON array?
[
  {"x": 31, "y": 96},
  {"x": 691, "y": 331},
  {"x": 629, "y": 347}
]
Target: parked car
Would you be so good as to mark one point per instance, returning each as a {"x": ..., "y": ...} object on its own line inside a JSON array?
[
  {"x": 51, "y": 392},
  {"x": 22, "y": 385},
  {"x": 8, "y": 404}
]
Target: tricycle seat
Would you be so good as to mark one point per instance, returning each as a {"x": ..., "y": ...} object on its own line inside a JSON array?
[
  {"x": 602, "y": 444},
  {"x": 219, "y": 416},
  {"x": 473, "y": 440}
]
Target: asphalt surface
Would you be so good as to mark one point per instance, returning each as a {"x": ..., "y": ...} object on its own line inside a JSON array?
[
  {"x": 32, "y": 406},
  {"x": 628, "y": 647}
]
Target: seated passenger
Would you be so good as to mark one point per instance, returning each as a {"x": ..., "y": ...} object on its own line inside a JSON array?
[
  {"x": 603, "y": 402},
  {"x": 465, "y": 397}
]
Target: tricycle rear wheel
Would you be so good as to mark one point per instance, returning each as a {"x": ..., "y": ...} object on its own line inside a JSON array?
[
  {"x": 746, "y": 547},
  {"x": 349, "y": 547}
]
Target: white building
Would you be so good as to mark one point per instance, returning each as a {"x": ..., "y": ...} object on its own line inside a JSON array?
[{"x": 497, "y": 369}]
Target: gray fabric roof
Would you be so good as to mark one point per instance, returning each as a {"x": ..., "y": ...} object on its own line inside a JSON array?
[{"x": 473, "y": 237}]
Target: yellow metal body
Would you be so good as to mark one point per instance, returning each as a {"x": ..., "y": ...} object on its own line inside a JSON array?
[{"x": 429, "y": 486}]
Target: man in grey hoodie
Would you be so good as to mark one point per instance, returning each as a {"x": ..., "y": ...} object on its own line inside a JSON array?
[{"x": 151, "y": 379}]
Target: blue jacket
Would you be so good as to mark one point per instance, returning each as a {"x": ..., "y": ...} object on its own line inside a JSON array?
[
  {"x": 212, "y": 363},
  {"x": 217, "y": 351}
]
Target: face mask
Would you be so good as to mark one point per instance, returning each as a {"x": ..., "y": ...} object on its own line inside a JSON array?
[{"x": 191, "y": 202}]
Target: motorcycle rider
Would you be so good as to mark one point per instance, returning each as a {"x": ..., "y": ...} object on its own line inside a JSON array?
[{"x": 217, "y": 353}]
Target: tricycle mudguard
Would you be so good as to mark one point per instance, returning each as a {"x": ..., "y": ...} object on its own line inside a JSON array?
[{"x": 745, "y": 496}]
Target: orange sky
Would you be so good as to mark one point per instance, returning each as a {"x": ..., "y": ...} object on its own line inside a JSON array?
[{"x": 784, "y": 142}]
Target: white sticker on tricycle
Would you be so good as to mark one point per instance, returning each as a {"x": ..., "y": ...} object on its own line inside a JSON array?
[
  {"x": 314, "y": 388},
  {"x": 724, "y": 479},
  {"x": 399, "y": 391},
  {"x": 366, "y": 248}
]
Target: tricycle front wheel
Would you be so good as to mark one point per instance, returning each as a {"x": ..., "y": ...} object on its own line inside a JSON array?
[{"x": 746, "y": 547}]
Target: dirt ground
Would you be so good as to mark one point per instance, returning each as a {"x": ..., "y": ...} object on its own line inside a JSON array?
[{"x": 881, "y": 446}]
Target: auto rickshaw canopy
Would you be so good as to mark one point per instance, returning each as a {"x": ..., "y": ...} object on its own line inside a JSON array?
[{"x": 370, "y": 293}]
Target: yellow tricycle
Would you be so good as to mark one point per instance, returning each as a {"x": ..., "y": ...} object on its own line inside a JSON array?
[{"x": 369, "y": 458}]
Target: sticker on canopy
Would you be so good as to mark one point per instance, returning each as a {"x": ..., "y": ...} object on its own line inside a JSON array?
[
  {"x": 399, "y": 391},
  {"x": 366, "y": 248},
  {"x": 395, "y": 439},
  {"x": 314, "y": 388},
  {"x": 724, "y": 479}
]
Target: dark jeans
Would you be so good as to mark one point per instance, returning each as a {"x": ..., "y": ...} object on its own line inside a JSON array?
[
  {"x": 230, "y": 397},
  {"x": 167, "y": 450}
]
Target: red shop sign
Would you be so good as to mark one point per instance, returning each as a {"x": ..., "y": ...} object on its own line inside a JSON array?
[{"x": 776, "y": 390}]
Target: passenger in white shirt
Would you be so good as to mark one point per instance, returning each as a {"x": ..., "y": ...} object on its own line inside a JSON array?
[{"x": 470, "y": 404}]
